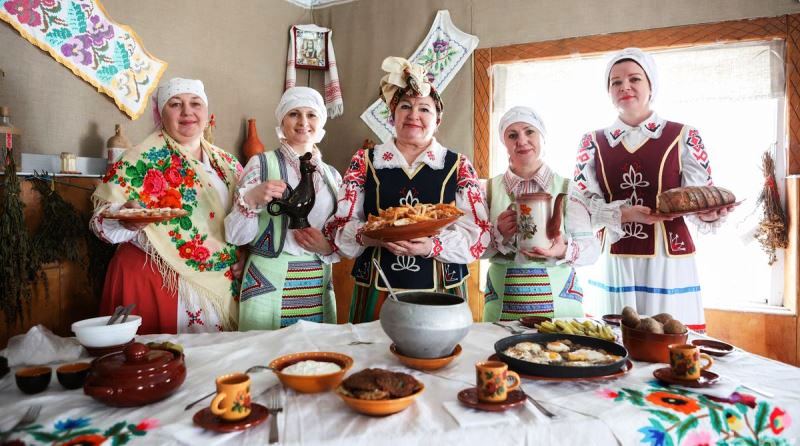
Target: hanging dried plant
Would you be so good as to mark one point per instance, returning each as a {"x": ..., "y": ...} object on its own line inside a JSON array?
[
  {"x": 62, "y": 227},
  {"x": 99, "y": 254},
  {"x": 771, "y": 231},
  {"x": 19, "y": 265}
]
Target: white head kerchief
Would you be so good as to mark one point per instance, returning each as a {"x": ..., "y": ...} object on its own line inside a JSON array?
[
  {"x": 522, "y": 114},
  {"x": 644, "y": 60},
  {"x": 172, "y": 87},
  {"x": 296, "y": 97}
]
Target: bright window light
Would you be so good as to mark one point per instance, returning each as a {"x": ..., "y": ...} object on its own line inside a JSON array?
[{"x": 732, "y": 93}]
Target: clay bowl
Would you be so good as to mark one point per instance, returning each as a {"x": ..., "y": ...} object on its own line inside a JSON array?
[
  {"x": 379, "y": 408},
  {"x": 424, "y": 363},
  {"x": 311, "y": 383},
  {"x": 531, "y": 321},
  {"x": 650, "y": 347},
  {"x": 72, "y": 376},
  {"x": 33, "y": 379}
]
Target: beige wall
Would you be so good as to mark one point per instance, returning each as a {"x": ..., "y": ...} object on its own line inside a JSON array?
[
  {"x": 237, "y": 48},
  {"x": 366, "y": 31}
]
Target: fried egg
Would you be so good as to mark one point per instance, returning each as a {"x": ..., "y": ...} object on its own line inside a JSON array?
[
  {"x": 557, "y": 347},
  {"x": 529, "y": 346}
]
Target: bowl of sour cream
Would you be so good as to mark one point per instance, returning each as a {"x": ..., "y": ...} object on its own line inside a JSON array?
[{"x": 311, "y": 372}]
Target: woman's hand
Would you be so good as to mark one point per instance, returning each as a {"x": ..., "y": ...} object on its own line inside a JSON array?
[
  {"x": 712, "y": 216},
  {"x": 507, "y": 223},
  {"x": 415, "y": 247},
  {"x": 312, "y": 240},
  {"x": 556, "y": 251},
  {"x": 265, "y": 192},
  {"x": 132, "y": 226},
  {"x": 641, "y": 214}
]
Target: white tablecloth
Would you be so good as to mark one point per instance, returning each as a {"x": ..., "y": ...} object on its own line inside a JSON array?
[{"x": 633, "y": 409}]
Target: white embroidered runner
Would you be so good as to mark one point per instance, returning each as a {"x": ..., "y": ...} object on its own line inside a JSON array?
[
  {"x": 443, "y": 52},
  {"x": 80, "y": 35}
]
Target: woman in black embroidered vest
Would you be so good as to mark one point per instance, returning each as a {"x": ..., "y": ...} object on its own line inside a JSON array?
[
  {"x": 288, "y": 275},
  {"x": 649, "y": 262},
  {"x": 413, "y": 168}
]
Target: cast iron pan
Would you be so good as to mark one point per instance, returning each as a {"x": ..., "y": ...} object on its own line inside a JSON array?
[{"x": 561, "y": 371}]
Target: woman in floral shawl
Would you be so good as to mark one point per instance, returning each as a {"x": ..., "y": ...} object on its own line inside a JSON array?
[{"x": 177, "y": 272}]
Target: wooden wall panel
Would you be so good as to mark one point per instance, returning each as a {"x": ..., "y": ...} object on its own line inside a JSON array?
[
  {"x": 770, "y": 335},
  {"x": 343, "y": 284},
  {"x": 482, "y": 110},
  {"x": 793, "y": 93}
]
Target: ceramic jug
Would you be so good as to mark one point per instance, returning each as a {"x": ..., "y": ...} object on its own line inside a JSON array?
[
  {"x": 537, "y": 223},
  {"x": 300, "y": 201},
  {"x": 252, "y": 145}
]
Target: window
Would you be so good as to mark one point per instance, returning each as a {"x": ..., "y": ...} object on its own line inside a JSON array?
[{"x": 732, "y": 93}]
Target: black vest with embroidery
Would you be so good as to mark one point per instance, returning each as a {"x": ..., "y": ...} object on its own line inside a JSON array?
[{"x": 386, "y": 188}]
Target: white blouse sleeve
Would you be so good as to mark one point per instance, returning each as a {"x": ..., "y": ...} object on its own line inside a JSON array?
[
  {"x": 241, "y": 223},
  {"x": 344, "y": 229},
  {"x": 470, "y": 235},
  {"x": 583, "y": 246},
  {"x": 603, "y": 215},
  {"x": 107, "y": 230},
  {"x": 696, "y": 171}
]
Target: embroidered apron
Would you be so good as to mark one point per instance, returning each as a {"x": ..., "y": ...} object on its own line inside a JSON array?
[
  {"x": 279, "y": 288},
  {"x": 533, "y": 288}
]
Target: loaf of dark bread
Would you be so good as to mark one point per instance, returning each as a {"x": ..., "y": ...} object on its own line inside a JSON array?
[{"x": 693, "y": 198}]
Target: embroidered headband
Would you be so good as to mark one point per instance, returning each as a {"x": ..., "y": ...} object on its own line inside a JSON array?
[
  {"x": 173, "y": 87},
  {"x": 296, "y": 97},
  {"x": 406, "y": 79},
  {"x": 641, "y": 58},
  {"x": 522, "y": 114}
]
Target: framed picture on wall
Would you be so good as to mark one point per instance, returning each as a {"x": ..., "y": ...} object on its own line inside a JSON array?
[{"x": 310, "y": 49}]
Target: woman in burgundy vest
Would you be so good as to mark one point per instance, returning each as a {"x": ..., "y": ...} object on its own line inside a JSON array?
[
  {"x": 649, "y": 262},
  {"x": 413, "y": 168}
]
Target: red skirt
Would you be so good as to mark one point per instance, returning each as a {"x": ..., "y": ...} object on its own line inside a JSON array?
[{"x": 131, "y": 279}]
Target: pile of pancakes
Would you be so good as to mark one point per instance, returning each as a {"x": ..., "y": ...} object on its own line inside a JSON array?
[{"x": 379, "y": 384}]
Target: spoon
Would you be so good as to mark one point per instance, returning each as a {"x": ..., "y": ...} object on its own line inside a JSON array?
[
  {"x": 248, "y": 371},
  {"x": 127, "y": 312},
  {"x": 383, "y": 276},
  {"x": 117, "y": 313}
]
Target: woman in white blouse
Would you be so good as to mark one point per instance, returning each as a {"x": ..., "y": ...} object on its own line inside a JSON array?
[
  {"x": 288, "y": 274},
  {"x": 649, "y": 260},
  {"x": 413, "y": 168},
  {"x": 541, "y": 282}
]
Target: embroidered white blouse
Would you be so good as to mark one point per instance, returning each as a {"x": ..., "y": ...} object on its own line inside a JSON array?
[
  {"x": 583, "y": 247},
  {"x": 695, "y": 169},
  {"x": 464, "y": 242},
  {"x": 241, "y": 224}
]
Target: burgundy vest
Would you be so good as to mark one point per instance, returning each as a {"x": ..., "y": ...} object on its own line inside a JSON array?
[{"x": 639, "y": 177}]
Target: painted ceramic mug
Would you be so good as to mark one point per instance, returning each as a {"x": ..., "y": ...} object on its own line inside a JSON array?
[
  {"x": 492, "y": 379},
  {"x": 232, "y": 402},
  {"x": 685, "y": 359}
]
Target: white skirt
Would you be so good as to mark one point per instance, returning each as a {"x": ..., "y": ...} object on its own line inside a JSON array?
[{"x": 659, "y": 284}]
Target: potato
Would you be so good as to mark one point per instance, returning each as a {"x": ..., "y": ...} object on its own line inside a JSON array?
[
  {"x": 630, "y": 317},
  {"x": 650, "y": 325},
  {"x": 663, "y": 317},
  {"x": 674, "y": 326}
]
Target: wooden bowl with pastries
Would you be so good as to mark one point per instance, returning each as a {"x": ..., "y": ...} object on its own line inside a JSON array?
[
  {"x": 408, "y": 222},
  {"x": 379, "y": 392}
]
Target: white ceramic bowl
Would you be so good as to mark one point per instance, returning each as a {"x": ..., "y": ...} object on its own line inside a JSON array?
[{"x": 95, "y": 333}]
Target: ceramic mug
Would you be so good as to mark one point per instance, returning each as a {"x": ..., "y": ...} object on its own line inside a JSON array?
[
  {"x": 685, "y": 359},
  {"x": 533, "y": 214},
  {"x": 492, "y": 381},
  {"x": 232, "y": 402}
]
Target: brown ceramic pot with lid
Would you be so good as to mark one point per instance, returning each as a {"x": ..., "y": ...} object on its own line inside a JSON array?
[{"x": 135, "y": 376}]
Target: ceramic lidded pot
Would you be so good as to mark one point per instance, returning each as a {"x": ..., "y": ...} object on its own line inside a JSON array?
[
  {"x": 136, "y": 376},
  {"x": 424, "y": 324}
]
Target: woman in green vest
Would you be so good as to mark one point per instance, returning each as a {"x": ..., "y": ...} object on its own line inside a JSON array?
[
  {"x": 288, "y": 275},
  {"x": 540, "y": 281}
]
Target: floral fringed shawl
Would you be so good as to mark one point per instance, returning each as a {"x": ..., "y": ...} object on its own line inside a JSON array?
[{"x": 160, "y": 173}]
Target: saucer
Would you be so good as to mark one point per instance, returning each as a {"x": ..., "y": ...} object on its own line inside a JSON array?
[
  {"x": 612, "y": 319},
  {"x": 207, "y": 420},
  {"x": 423, "y": 363},
  {"x": 707, "y": 378},
  {"x": 713, "y": 348},
  {"x": 469, "y": 398},
  {"x": 531, "y": 321},
  {"x": 102, "y": 351}
]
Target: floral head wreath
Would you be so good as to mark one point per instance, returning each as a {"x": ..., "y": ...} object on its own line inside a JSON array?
[{"x": 406, "y": 79}]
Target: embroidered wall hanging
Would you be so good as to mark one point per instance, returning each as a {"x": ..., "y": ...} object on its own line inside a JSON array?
[
  {"x": 80, "y": 35},
  {"x": 311, "y": 47},
  {"x": 443, "y": 52}
]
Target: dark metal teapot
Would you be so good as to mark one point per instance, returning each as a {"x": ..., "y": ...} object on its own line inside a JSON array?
[{"x": 300, "y": 201}]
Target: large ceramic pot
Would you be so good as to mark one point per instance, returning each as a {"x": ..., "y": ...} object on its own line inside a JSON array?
[
  {"x": 135, "y": 376},
  {"x": 424, "y": 324}
]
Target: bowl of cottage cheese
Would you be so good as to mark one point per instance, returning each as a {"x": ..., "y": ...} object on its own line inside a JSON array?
[{"x": 311, "y": 372}]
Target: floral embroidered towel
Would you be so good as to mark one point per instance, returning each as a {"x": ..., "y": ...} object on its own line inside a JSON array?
[
  {"x": 443, "y": 52},
  {"x": 80, "y": 35}
]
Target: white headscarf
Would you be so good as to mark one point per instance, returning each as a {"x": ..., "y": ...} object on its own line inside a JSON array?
[
  {"x": 522, "y": 114},
  {"x": 644, "y": 60},
  {"x": 172, "y": 87},
  {"x": 296, "y": 97}
]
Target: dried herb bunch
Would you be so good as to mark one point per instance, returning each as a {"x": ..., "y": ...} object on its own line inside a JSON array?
[
  {"x": 771, "y": 231},
  {"x": 19, "y": 265},
  {"x": 62, "y": 229}
]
